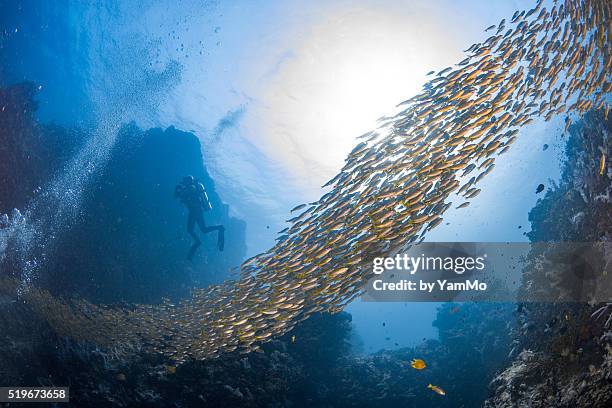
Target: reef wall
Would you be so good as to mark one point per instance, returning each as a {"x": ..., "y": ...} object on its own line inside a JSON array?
[
  {"x": 562, "y": 353},
  {"x": 313, "y": 365},
  {"x": 130, "y": 242},
  {"x": 132, "y": 238},
  {"x": 30, "y": 152}
]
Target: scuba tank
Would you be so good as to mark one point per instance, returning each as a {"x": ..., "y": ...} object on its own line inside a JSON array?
[{"x": 204, "y": 198}]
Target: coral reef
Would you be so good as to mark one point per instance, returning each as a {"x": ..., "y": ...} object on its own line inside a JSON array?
[
  {"x": 566, "y": 348},
  {"x": 313, "y": 365}
]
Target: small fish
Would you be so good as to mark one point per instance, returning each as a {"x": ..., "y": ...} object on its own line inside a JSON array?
[
  {"x": 540, "y": 188},
  {"x": 418, "y": 364},
  {"x": 293, "y": 339},
  {"x": 436, "y": 389},
  {"x": 445, "y": 70},
  {"x": 602, "y": 164},
  {"x": 455, "y": 309},
  {"x": 171, "y": 369},
  {"x": 545, "y": 147},
  {"x": 430, "y": 73},
  {"x": 299, "y": 207},
  {"x": 490, "y": 27},
  {"x": 121, "y": 377}
]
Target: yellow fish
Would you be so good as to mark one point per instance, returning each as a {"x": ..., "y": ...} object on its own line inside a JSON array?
[
  {"x": 171, "y": 369},
  {"x": 418, "y": 364},
  {"x": 436, "y": 389},
  {"x": 602, "y": 164},
  {"x": 293, "y": 339}
]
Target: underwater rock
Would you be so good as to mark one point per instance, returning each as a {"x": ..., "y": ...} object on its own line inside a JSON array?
[
  {"x": 567, "y": 355},
  {"x": 130, "y": 243},
  {"x": 319, "y": 369},
  {"x": 141, "y": 245},
  {"x": 234, "y": 391},
  {"x": 30, "y": 152}
]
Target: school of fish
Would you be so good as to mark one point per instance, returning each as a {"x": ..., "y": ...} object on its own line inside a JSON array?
[{"x": 395, "y": 186}]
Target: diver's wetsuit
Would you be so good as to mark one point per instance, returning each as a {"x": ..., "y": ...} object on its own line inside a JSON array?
[{"x": 193, "y": 195}]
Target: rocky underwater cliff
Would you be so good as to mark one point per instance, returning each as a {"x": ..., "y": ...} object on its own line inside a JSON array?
[
  {"x": 314, "y": 365},
  {"x": 563, "y": 350},
  {"x": 130, "y": 241}
]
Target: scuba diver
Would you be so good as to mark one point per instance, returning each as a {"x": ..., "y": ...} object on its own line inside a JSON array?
[{"x": 192, "y": 193}]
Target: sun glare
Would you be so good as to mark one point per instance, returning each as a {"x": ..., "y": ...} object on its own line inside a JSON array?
[{"x": 349, "y": 70}]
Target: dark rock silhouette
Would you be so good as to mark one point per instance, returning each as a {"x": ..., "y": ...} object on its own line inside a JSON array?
[
  {"x": 30, "y": 152},
  {"x": 132, "y": 239},
  {"x": 313, "y": 365},
  {"x": 562, "y": 352},
  {"x": 130, "y": 242}
]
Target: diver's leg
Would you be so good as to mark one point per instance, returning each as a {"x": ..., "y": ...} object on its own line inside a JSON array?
[
  {"x": 199, "y": 219},
  {"x": 220, "y": 232},
  {"x": 220, "y": 237},
  {"x": 191, "y": 222}
]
